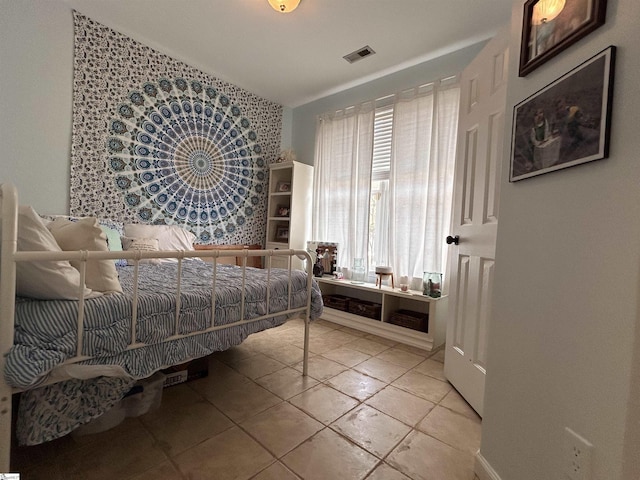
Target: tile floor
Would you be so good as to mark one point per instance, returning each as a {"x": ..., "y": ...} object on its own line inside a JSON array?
[{"x": 369, "y": 409}]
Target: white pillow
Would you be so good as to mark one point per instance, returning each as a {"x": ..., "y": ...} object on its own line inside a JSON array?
[
  {"x": 142, "y": 244},
  {"x": 48, "y": 280},
  {"x": 170, "y": 237},
  {"x": 86, "y": 234},
  {"x": 177, "y": 238},
  {"x": 112, "y": 228}
]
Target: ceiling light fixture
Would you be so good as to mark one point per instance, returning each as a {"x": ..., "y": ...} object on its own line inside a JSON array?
[
  {"x": 546, "y": 10},
  {"x": 284, "y": 6}
]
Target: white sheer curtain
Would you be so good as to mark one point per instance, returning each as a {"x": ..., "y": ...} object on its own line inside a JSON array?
[
  {"x": 342, "y": 181},
  {"x": 421, "y": 178},
  {"x": 413, "y": 213}
]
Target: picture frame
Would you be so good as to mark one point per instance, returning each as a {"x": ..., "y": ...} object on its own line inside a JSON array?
[
  {"x": 566, "y": 123},
  {"x": 326, "y": 253},
  {"x": 283, "y": 211},
  {"x": 550, "y": 26},
  {"x": 282, "y": 234},
  {"x": 283, "y": 187}
]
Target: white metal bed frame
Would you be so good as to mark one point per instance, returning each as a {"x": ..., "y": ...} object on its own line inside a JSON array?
[{"x": 10, "y": 255}]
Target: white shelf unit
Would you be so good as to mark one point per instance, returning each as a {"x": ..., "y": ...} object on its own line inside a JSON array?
[
  {"x": 391, "y": 299},
  {"x": 290, "y": 187}
]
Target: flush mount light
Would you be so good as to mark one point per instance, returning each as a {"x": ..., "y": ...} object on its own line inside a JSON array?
[
  {"x": 546, "y": 10},
  {"x": 284, "y": 6}
]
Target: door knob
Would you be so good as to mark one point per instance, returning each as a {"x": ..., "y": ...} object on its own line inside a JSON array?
[{"x": 451, "y": 239}]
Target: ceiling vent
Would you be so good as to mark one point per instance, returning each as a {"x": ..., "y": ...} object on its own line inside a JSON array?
[{"x": 359, "y": 54}]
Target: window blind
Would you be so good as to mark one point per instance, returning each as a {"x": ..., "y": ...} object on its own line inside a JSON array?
[{"x": 382, "y": 132}]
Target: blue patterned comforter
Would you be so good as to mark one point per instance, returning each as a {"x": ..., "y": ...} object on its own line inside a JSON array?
[{"x": 46, "y": 334}]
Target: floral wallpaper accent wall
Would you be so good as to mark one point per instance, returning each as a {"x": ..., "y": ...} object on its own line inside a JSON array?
[{"x": 157, "y": 141}]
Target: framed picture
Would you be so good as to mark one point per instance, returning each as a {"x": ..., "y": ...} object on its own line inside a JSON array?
[
  {"x": 325, "y": 254},
  {"x": 283, "y": 187},
  {"x": 282, "y": 234},
  {"x": 567, "y": 122},
  {"x": 283, "y": 211},
  {"x": 550, "y": 26}
]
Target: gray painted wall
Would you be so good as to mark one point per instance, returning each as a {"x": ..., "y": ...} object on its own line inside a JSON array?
[
  {"x": 36, "y": 73},
  {"x": 564, "y": 331}
]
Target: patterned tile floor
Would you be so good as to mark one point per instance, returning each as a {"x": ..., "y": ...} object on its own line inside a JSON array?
[{"x": 369, "y": 409}]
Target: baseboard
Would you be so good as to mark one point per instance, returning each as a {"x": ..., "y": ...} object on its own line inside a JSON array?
[{"x": 483, "y": 470}]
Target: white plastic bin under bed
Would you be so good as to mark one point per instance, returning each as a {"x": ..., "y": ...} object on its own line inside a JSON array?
[{"x": 145, "y": 396}]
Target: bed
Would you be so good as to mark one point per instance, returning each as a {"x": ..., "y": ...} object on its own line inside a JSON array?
[{"x": 75, "y": 355}]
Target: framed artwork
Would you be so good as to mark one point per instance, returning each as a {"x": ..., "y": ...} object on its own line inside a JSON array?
[
  {"x": 550, "y": 26},
  {"x": 282, "y": 234},
  {"x": 283, "y": 187},
  {"x": 325, "y": 253},
  {"x": 283, "y": 211},
  {"x": 567, "y": 122}
]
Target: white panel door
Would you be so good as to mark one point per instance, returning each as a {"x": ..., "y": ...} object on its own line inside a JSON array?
[{"x": 475, "y": 218}]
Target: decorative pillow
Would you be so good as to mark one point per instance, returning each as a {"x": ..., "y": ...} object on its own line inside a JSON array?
[
  {"x": 170, "y": 237},
  {"x": 112, "y": 229},
  {"x": 113, "y": 242},
  {"x": 47, "y": 280},
  {"x": 142, "y": 244},
  {"x": 86, "y": 234}
]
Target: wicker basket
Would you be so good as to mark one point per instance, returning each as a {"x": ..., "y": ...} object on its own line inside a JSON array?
[
  {"x": 339, "y": 302},
  {"x": 410, "y": 319},
  {"x": 365, "y": 308}
]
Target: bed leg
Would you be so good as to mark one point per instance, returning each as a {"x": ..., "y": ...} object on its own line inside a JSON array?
[{"x": 305, "y": 359}]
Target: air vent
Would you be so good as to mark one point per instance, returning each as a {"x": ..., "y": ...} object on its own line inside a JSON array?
[{"x": 359, "y": 54}]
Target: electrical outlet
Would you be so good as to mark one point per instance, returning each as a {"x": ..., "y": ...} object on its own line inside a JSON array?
[{"x": 577, "y": 456}]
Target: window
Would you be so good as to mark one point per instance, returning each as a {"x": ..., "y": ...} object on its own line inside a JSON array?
[
  {"x": 383, "y": 179},
  {"x": 379, "y": 206}
]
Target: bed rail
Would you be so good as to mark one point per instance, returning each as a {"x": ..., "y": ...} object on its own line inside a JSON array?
[
  {"x": 83, "y": 256},
  {"x": 10, "y": 256}
]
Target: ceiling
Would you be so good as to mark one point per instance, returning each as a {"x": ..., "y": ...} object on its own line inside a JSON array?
[{"x": 295, "y": 58}]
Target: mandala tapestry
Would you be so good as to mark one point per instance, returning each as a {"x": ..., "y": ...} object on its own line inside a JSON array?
[{"x": 156, "y": 141}]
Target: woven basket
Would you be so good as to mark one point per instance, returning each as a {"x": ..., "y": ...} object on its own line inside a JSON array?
[
  {"x": 365, "y": 308},
  {"x": 339, "y": 302},
  {"x": 410, "y": 319}
]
